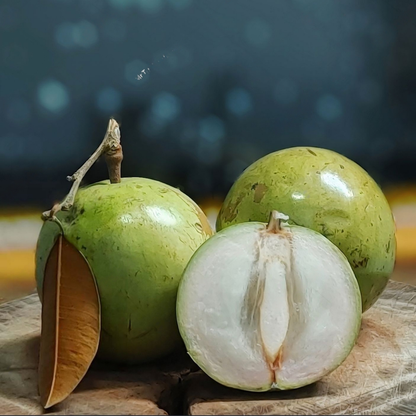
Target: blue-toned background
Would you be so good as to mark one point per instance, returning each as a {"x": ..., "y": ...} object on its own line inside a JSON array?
[{"x": 202, "y": 88}]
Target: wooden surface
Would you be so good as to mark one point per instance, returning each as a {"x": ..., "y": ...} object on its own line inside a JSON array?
[
  {"x": 379, "y": 377},
  {"x": 105, "y": 390}
]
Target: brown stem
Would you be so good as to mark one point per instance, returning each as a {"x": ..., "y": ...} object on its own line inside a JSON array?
[
  {"x": 111, "y": 147},
  {"x": 113, "y": 160},
  {"x": 275, "y": 220},
  {"x": 273, "y": 225}
]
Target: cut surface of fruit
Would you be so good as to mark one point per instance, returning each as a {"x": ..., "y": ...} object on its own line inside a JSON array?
[{"x": 268, "y": 307}]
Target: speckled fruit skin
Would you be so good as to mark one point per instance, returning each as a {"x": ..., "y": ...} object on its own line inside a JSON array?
[
  {"x": 138, "y": 236},
  {"x": 329, "y": 193}
]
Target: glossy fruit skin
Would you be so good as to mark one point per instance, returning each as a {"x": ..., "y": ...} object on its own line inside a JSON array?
[
  {"x": 327, "y": 192},
  {"x": 138, "y": 237}
]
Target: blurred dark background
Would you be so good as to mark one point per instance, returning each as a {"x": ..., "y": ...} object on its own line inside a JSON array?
[{"x": 202, "y": 88}]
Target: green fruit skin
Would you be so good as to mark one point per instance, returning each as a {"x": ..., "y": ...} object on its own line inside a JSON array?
[
  {"x": 327, "y": 192},
  {"x": 137, "y": 236}
]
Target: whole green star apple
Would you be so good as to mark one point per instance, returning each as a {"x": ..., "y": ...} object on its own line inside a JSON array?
[
  {"x": 326, "y": 192},
  {"x": 137, "y": 236}
]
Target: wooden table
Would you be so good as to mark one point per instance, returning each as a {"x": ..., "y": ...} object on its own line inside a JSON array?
[{"x": 379, "y": 376}]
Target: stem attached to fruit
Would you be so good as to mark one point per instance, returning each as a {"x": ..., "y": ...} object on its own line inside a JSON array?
[
  {"x": 113, "y": 159},
  {"x": 111, "y": 147},
  {"x": 274, "y": 222}
]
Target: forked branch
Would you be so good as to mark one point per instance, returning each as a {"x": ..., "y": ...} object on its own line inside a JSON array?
[{"x": 111, "y": 147}]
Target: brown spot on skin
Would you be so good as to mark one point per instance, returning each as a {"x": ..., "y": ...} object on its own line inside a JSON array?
[
  {"x": 259, "y": 192},
  {"x": 231, "y": 211},
  {"x": 360, "y": 263},
  {"x": 311, "y": 152}
]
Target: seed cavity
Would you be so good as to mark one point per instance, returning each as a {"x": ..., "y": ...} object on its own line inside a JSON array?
[
  {"x": 250, "y": 314},
  {"x": 265, "y": 325}
]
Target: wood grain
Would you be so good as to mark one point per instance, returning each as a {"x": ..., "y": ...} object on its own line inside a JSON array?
[
  {"x": 379, "y": 377},
  {"x": 104, "y": 390}
]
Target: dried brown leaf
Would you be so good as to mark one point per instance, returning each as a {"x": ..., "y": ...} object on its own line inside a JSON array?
[{"x": 70, "y": 323}]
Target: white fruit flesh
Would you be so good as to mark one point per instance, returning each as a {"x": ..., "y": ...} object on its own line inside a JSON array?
[{"x": 260, "y": 310}]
